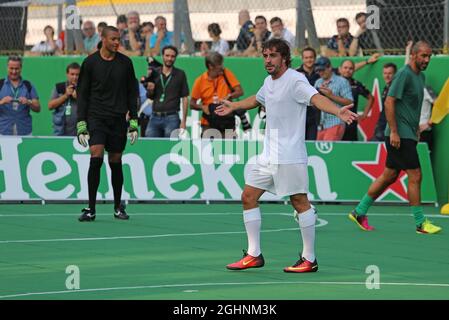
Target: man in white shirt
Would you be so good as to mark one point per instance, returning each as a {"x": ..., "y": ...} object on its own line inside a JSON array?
[
  {"x": 282, "y": 167},
  {"x": 278, "y": 31}
]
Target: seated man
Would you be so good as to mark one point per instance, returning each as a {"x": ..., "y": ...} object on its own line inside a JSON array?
[
  {"x": 340, "y": 43},
  {"x": 279, "y": 31},
  {"x": 49, "y": 46},
  {"x": 161, "y": 38},
  {"x": 246, "y": 33}
]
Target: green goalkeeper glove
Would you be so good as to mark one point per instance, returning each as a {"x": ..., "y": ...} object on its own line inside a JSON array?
[
  {"x": 82, "y": 133},
  {"x": 133, "y": 130}
]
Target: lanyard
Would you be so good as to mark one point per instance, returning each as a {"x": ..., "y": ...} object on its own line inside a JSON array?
[
  {"x": 15, "y": 91},
  {"x": 164, "y": 86}
]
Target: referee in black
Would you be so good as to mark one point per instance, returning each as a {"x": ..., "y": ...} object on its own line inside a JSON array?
[{"x": 107, "y": 93}]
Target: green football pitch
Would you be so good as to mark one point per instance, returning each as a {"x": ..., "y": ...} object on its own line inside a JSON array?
[{"x": 179, "y": 252}]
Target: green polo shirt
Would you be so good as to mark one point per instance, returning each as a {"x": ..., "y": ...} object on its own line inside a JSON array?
[{"x": 408, "y": 89}]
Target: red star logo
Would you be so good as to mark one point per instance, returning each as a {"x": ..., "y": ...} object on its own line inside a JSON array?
[
  {"x": 368, "y": 125},
  {"x": 374, "y": 169}
]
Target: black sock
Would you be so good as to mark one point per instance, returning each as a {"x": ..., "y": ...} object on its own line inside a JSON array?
[
  {"x": 93, "y": 181},
  {"x": 117, "y": 181}
]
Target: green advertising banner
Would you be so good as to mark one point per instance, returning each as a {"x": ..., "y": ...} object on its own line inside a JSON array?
[{"x": 56, "y": 169}]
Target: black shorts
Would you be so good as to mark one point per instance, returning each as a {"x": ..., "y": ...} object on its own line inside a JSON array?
[
  {"x": 110, "y": 132},
  {"x": 404, "y": 158}
]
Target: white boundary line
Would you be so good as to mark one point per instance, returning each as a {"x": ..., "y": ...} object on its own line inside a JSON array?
[
  {"x": 405, "y": 284},
  {"x": 321, "y": 223},
  {"x": 212, "y": 213}
]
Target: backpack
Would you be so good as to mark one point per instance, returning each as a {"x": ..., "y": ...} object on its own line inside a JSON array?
[{"x": 59, "y": 113}]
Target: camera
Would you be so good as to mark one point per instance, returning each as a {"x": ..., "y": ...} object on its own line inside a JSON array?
[
  {"x": 244, "y": 119},
  {"x": 153, "y": 71}
]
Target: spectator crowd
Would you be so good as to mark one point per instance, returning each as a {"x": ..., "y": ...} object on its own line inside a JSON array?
[{"x": 164, "y": 93}]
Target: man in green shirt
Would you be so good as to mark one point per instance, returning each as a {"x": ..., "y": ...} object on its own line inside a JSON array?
[{"x": 402, "y": 110}]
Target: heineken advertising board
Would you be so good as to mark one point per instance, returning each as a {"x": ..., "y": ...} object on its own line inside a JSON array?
[{"x": 56, "y": 169}]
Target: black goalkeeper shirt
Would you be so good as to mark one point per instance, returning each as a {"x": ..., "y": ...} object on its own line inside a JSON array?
[{"x": 107, "y": 88}]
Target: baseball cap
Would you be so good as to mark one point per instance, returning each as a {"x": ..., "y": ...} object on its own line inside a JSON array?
[{"x": 322, "y": 63}]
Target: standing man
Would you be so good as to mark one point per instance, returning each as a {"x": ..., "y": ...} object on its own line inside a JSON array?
[
  {"x": 403, "y": 110},
  {"x": 308, "y": 69},
  {"x": 338, "y": 90},
  {"x": 17, "y": 98},
  {"x": 214, "y": 85},
  {"x": 170, "y": 87},
  {"x": 64, "y": 104},
  {"x": 389, "y": 71},
  {"x": 346, "y": 70},
  {"x": 282, "y": 167},
  {"x": 107, "y": 92}
]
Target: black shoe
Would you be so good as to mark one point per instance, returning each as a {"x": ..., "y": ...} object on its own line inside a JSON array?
[
  {"x": 120, "y": 213},
  {"x": 88, "y": 215}
]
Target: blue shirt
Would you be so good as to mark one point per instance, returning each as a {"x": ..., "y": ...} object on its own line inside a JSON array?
[
  {"x": 339, "y": 87},
  {"x": 167, "y": 40},
  {"x": 19, "y": 119},
  {"x": 90, "y": 44}
]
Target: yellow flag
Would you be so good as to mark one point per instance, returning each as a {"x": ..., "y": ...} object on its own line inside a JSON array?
[{"x": 441, "y": 105}]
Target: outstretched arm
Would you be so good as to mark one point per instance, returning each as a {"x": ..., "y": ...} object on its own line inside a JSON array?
[
  {"x": 326, "y": 105},
  {"x": 228, "y": 107}
]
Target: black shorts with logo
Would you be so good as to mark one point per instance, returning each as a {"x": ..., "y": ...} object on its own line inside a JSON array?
[
  {"x": 404, "y": 158},
  {"x": 110, "y": 132}
]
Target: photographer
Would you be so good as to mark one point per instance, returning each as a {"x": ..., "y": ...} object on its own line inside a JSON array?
[
  {"x": 213, "y": 86},
  {"x": 17, "y": 98},
  {"x": 166, "y": 86},
  {"x": 63, "y": 102}
]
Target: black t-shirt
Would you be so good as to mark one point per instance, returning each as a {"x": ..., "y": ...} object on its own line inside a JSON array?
[
  {"x": 176, "y": 88},
  {"x": 357, "y": 88},
  {"x": 107, "y": 88},
  {"x": 311, "y": 77},
  {"x": 366, "y": 43}
]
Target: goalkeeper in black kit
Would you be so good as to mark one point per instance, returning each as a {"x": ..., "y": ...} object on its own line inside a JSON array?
[{"x": 107, "y": 96}]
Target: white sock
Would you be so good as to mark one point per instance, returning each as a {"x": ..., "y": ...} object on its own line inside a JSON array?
[
  {"x": 306, "y": 222},
  {"x": 253, "y": 221}
]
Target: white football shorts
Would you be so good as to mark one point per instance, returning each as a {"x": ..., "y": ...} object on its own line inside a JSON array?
[{"x": 279, "y": 179}]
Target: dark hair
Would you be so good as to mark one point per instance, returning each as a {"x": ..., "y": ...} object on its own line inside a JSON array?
[
  {"x": 148, "y": 23},
  {"x": 343, "y": 20},
  {"x": 160, "y": 17},
  {"x": 122, "y": 19},
  {"x": 360, "y": 14},
  {"x": 214, "y": 28},
  {"x": 275, "y": 19},
  {"x": 108, "y": 29},
  {"x": 170, "y": 47},
  {"x": 15, "y": 58},
  {"x": 73, "y": 65},
  {"x": 213, "y": 59},
  {"x": 260, "y": 17},
  {"x": 310, "y": 49},
  {"x": 49, "y": 27},
  {"x": 347, "y": 60},
  {"x": 281, "y": 46},
  {"x": 102, "y": 24},
  {"x": 391, "y": 65}
]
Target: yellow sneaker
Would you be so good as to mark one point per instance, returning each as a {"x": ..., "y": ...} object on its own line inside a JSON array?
[{"x": 427, "y": 227}]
